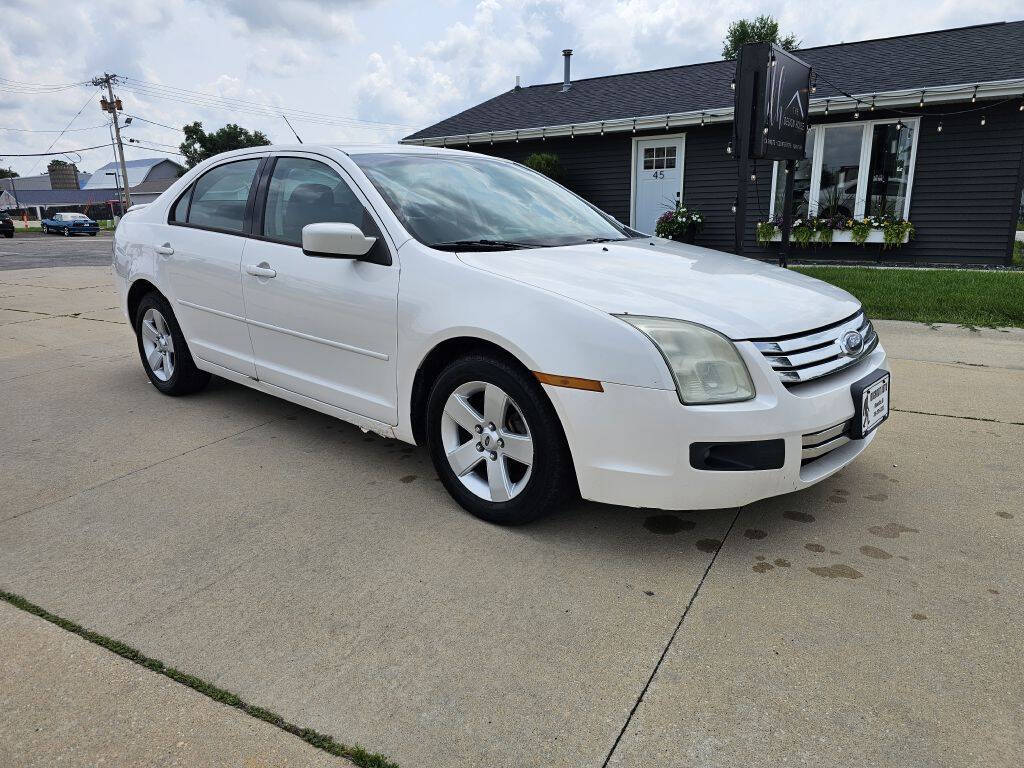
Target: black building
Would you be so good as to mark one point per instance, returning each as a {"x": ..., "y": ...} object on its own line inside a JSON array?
[{"x": 926, "y": 127}]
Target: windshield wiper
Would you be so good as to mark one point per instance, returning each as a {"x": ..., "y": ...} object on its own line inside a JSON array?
[
  {"x": 496, "y": 245},
  {"x": 605, "y": 239}
]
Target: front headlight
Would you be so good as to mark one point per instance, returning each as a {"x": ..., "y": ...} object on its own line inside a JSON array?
[{"x": 704, "y": 363}]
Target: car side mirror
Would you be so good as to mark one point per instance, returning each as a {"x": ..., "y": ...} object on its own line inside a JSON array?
[{"x": 335, "y": 240}]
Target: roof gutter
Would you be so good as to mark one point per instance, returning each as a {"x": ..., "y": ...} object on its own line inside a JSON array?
[{"x": 903, "y": 98}]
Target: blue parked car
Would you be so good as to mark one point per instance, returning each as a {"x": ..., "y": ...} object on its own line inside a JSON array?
[{"x": 68, "y": 224}]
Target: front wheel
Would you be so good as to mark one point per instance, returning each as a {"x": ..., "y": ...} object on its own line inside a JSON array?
[
  {"x": 46, "y": 230},
  {"x": 496, "y": 442},
  {"x": 92, "y": 234},
  {"x": 165, "y": 355},
  {"x": 67, "y": 232}
]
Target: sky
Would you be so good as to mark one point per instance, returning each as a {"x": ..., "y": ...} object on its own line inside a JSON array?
[{"x": 360, "y": 70}]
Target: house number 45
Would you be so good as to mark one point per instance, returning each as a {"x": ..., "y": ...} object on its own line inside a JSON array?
[{"x": 658, "y": 175}]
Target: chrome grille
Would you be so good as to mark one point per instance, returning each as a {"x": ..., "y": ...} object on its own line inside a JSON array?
[
  {"x": 806, "y": 356},
  {"x": 817, "y": 444}
]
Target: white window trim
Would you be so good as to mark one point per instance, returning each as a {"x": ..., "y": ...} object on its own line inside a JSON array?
[
  {"x": 681, "y": 161},
  {"x": 860, "y": 199}
]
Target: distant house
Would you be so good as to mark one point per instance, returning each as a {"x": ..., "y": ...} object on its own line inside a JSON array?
[
  {"x": 139, "y": 171},
  {"x": 99, "y": 195},
  {"x": 932, "y": 131}
]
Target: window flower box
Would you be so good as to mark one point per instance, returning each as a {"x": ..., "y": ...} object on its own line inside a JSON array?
[{"x": 843, "y": 236}]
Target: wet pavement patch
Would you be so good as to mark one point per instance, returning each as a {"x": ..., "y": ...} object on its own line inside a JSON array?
[
  {"x": 837, "y": 499},
  {"x": 666, "y": 525},
  {"x": 408, "y": 478},
  {"x": 837, "y": 571},
  {"x": 890, "y": 530},
  {"x": 708, "y": 545},
  {"x": 800, "y": 517},
  {"x": 782, "y": 562},
  {"x": 918, "y": 616},
  {"x": 875, "y": 552},
  {"x": 763, "y": 567},
  {"x": 877, "y": 497},
  {"x": 814, "y": 547},
  {"x": 1005, "y": 515},
  {"x": 755, "y": 533}
]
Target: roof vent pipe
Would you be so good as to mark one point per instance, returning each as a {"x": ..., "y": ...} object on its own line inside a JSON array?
[
  {"x": 518, "y": 86},
  {"x": 566, "y": 55}
]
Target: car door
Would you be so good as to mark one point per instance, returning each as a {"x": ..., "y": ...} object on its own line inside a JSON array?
[
  {"x": 202, "y": 252},
  {"x": 322, "y": 327}
]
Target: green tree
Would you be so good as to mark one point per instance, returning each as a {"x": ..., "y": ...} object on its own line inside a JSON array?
[
  {"x": 199, "y": 145},
  {"x": 7, "y": 173},
  {"x": 763, "y": 29},
  {"x": 546, "y": 163},
  {"x": 57, "y": 163}
]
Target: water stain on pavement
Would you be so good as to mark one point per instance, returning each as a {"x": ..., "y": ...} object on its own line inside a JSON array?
[
  {"x": 837, "y": 499},
  {"x": 782, "y": 562},
  {"x": 877, "y": 497},
  {"x": 408, "y": 478},
  {"x": 763, "y": 567},
  {"x": 993, "y": 591},
  {"x": 708, "y": 545},
  {"x": 918, "y": 616},
  {"x": 755, "y": 533},
  {"x": 666, "y": 525},
  {"x": 1005, "y": 515},
  {"x": 837, "y": 571},
  {"x": 814, "y": 547},
  {"x": 800, "y": 517},
  {"x": 890, "y": 530},
  {"x": 875, "y": 552}
]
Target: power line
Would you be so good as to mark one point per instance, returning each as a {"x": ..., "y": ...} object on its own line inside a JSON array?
[
  {"x": 72, "y": 120},
  {"x": 154, "y": 122},
  {"x": 54, "y": 130},
  {"x": 62, "y": 152}
]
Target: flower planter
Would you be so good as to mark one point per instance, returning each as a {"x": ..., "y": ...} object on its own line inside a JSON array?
[{"x": 842, "y": 236}]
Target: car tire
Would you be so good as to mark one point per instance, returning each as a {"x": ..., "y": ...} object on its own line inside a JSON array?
[
  {"x": 46, "y": 230},
  {"x": 8, "y": 234},
  {"x": 92, "y": 234},
  {"x": 165, "y": 354},
  {"x": 67, "y": 232},
  {"x": 487, "y": 407}
]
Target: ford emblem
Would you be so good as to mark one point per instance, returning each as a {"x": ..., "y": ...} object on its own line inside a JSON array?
[{"x": 852, "y": 343}]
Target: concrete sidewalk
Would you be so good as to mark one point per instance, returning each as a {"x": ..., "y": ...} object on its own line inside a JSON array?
[
  {"x": 324, "y": 574},
  {"x": 65, "y": 701}
]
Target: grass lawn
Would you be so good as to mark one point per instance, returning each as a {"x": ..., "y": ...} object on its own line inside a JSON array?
[{"x": 971, "y": 298}]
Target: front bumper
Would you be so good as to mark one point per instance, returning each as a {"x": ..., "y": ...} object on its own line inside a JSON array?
[{"x": 631, "y": 445}]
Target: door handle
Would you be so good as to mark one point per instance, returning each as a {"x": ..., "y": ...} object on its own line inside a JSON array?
[
  {"x": 260, "y": 270},
  {"x": 164, "y": 250}
]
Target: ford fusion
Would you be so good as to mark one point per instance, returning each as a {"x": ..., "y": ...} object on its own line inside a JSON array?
[{"x": 537, "y": 347}]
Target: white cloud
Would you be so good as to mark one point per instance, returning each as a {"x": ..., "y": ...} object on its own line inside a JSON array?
[{"x": 303, "y": 19}]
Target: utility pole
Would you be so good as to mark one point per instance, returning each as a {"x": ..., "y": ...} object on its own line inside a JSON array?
[{"x": 112, "y": 106}]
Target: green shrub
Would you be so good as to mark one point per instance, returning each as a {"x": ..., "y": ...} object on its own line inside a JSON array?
[{"x": 548, "y": 164}]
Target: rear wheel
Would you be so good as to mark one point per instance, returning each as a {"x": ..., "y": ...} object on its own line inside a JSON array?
[
  {"x": 165, "y": 354},
  {"x": 46, "y": 230},
  {"x": 67, "y": 232},
  {"x": 496, "y": 442},
  {"x": 92, "y": 234}
]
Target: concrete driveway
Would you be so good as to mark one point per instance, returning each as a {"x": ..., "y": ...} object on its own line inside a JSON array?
[{"x": 326, "y": 575}]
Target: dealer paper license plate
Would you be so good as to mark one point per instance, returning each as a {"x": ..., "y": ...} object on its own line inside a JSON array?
[{"x": 874, "y": 405}]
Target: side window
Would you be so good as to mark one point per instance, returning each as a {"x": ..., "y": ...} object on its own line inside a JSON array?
[
  {"x": 219, "y": 196},
  {"x": 305, "y": 192},
  {"x": 180, "y": 209}
]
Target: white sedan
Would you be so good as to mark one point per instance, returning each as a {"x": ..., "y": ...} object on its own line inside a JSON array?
[{"x": 538, "y": 347}]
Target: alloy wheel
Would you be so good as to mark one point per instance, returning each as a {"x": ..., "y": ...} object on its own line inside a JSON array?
[
  {"x": 157, "y": 344},
  {"x": 487, "y": 441}
]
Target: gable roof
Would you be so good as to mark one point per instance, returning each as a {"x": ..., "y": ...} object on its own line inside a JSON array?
[
  {"x": 138, "y": 171},
  {"x": 986, "y": 53},
  {"x": 51, "y": 197}
]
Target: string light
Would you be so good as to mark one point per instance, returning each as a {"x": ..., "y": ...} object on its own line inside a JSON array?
[
  {"x": 728, "y": 148},
  {"x": 1021, "y": 107},
  {"x": 572, "y": 131},
  {"x": 899, "y": 125},
  {"x": 702, "y": 116},
  {"x": 765, "y": 129},
  {"x": 856, "y": 111},
  {"x": 602, "y": 127},
  {"x": 735, "y": 203},
  {"x": 982, "y": 119},
  {"x": 920, "y": 104},
  {"x": 467, "y": 139},
  {"x": 753, "y": 176},
  {"x": 517, "y": 137},
  {"x": 634, "y": 125},
  {"x": 773, "y": 59},
  {"x": 492, "y": 138},
  {"x": 939, "y": 129},
  {"x": 974, "y": 96},
  {"x": 826, "y": 107},
  {"x": 543, "y": 137},
  {"x": 666, "y": 122},
  {"x": 732, "y": 84},
  {"x": 872, "y": 104}
]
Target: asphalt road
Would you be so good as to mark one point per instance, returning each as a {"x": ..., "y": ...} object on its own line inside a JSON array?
[
  {"x": 873, "y": 620},
  {"x": 30, "y": 250}
]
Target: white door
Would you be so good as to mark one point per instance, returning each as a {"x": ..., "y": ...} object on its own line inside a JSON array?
[
  {"x": 201, "y": 248},
  {"x": 657, "y": 179},
  {"x": 322, "y": 327}
]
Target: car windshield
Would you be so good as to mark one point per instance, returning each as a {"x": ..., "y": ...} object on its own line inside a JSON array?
[{"x": 456, "y": 202}]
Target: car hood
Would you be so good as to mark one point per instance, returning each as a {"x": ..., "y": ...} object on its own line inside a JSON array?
[{"x": 739, "y": 297}]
